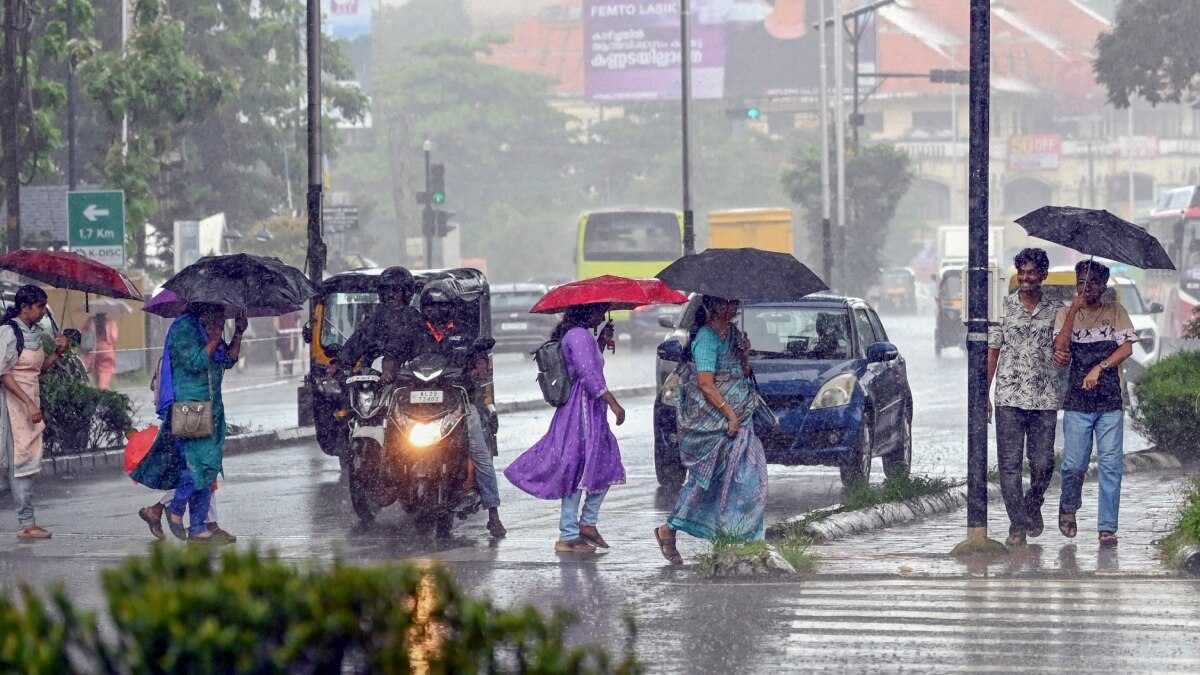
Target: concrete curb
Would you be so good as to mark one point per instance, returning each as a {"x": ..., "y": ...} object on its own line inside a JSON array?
[
  {"x": 840, "y": 524},
  {"x": 1186, "y": 559},
  {"x": 114, "y": 459}
]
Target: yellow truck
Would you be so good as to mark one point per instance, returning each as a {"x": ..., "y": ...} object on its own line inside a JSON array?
[{"x": 767, "y": 229}]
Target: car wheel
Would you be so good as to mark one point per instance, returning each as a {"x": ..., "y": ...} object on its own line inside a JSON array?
[
  {"x": 363, "y": 465},
  {"x": 667, "y": 468},
  {"x": 897, "y": 462},
  {"x": 856, "y": 469}
]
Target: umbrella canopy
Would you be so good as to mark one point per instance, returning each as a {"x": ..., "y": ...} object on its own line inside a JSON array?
[
  {"x": 71, "y": 271},
  {"x": 170, "y": 305},
  {"x": 243, "y": 283},
  {"x": 109, "y": 307},
  {"x": 743, "y": 274},
  {"x": 1097, "y": 233},
  {"x": 617, "y": 292}
]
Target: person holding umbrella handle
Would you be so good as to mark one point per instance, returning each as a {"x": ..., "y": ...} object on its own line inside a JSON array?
[{"x": 1093, "y": 337}]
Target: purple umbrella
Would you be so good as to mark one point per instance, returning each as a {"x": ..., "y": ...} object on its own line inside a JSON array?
[{"x": 168, "y": 303}]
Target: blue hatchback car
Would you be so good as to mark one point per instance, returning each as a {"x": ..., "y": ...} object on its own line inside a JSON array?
[{"x": 825, "y": 367}]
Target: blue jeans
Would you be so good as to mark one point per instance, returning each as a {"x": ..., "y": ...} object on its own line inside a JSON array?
[
  {"x": 481, "y": 457},
  {"x": 569, "y": 522},
  {"x": 193, "y": 497},
  {"x": 1079, "y": 428},
  {"x": 22, "y": 491}
]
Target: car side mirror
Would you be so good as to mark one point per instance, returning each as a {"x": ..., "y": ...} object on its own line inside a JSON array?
[
  {"x": 671, "y": 351},
  {"x": 306, "y": 332},
  {"x": 73, "y": 336},
  {"x": 1157, "y": 308},
  {"x": 881, "y": 352},
  {"x": 666, "y": 320}
]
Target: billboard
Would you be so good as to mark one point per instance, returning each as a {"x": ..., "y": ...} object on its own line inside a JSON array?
[
  {"x": 1034, "y": 152},
  {"x": 740, "y": 49},
  {"x": 346, "y": 19}
]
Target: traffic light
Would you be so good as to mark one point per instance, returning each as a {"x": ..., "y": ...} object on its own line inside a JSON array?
[
  {"x": 938, "y": 76},
  {"x": 442, "y": 223},
  {"x": 428, "y": 222},
  {"x": 750, "y": 113},
  {"x": 437, "y": 183}
]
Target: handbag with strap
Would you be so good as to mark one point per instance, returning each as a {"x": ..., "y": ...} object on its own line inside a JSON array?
[
  {"x": 193, "y": 419},
  {"x": 764, "y": 419}
]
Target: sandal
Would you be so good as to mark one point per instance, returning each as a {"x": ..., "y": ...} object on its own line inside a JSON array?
[
  {"x": 1068, "y": 527},
  {"x": 177, "y": 528},
  {"x": 667, "y": 546},
  {"x": 1108, "y": 538},
  {"x": 590, "y": 533},
  {"x": 496, "y": 529},
  {"x": 34, "y": 532},
  {"x": 155, "y": 524}
]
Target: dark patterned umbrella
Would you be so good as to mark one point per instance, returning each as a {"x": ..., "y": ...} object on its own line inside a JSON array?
[
  {"x": 265, "y": 286},
  {"x": 743, "y": 274},
  {"x": 1097, "y": 233}
]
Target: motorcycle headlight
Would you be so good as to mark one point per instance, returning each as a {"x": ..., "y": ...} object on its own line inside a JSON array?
[
  {"x": 423, "y": 434},
  {"x": 670, "y": 391},
  {"x": 364, "y": 401},
  {"x": 835, "y": 393}
]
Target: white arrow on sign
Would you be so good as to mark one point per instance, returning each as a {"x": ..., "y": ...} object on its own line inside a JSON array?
[{"x": 92, "y": 212}]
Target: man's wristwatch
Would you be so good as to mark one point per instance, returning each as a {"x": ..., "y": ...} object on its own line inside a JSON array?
[{"x": 1104, "y": 365}]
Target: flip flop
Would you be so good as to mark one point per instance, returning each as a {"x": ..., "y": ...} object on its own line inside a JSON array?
[
  {"x": 1108, "y": 538},
  {"x": 1069, "y": 528},
  {"x": 33, "y": 532},
  {"x": 672, "y": 555},
  {"x": 177, "y": 529},
  {"x": 155, "y": 524}
]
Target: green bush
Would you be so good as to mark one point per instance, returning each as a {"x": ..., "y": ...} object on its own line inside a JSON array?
[
  {"x": 80, "y": 417},
  {"x": 184, "y": 610},
  {"x": 1168, "y": 403}
]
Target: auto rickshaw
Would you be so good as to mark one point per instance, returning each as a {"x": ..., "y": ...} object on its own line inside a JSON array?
[
  {"x": 343, "y": 302},
  {"x": 950, "y": 330}
]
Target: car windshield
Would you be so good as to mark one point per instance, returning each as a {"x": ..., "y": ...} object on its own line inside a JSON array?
[
  {"x": 807, "y": 333},
  {"x": 1131, "y": 298},
  {"x": 952, "y": 286},
  {"x": 896, "y": 278},
  {"x": 343, "y": 313},
  {"x": 517, "y": 301}
]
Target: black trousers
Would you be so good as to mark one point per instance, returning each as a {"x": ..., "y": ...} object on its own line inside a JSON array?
[{"x": 1020, "y": 432}]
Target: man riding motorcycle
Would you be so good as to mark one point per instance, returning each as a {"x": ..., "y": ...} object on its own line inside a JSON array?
[
  {"x": 394, "y": 329},
  {"x": 441, "y": 334}
]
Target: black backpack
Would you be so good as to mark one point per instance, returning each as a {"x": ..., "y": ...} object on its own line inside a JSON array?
[{"x": 552, "y": 373}]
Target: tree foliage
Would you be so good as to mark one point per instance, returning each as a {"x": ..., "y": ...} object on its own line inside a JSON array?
[
  {"x": 1151, "y": 52},
  {"x": 876, "y": 179},
  {"x": 42, "y": 52}
]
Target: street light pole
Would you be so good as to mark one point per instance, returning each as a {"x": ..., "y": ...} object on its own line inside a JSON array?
[
  {"x": 685, "y": 95},
  {"x": 316, "y": 243},
  {"x": 977, "y": 328},
  {"x": 826, "y": 227},
  {"x": 839, "y": 87},
  {"x": 70, "y": 97},
  {"x": 427, "y": 214}
]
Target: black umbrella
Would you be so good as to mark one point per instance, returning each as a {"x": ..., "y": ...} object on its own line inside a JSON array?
[
  {"x": 243, "y": 281},
  {"x": 1097, "y": 233},
  {"x": 743, "y": 274}
]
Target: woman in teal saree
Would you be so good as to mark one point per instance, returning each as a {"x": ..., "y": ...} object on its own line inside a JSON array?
[{"x": 726, "y": 489}]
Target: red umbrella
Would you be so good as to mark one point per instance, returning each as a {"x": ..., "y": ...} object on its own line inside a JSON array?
[
  {"x": 617, "y": 292},
  {"x": 70, "y": 271}
]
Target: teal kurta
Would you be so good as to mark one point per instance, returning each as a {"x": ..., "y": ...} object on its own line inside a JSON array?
[{"x": 191, "y": 367}]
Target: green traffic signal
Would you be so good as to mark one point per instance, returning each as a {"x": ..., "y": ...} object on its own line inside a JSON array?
[
  {"x": 439, "y": 197},
  {"x": 753, "y": 113}
]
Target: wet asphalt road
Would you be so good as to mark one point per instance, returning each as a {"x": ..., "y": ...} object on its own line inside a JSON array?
[{"x": 294, "y": 500}]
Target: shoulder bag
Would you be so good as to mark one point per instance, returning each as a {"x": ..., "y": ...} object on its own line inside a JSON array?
[{"x": 193, "y": 419}]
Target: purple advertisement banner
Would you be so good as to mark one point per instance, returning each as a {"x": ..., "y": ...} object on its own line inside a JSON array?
[{"x": 740, "y": 49}]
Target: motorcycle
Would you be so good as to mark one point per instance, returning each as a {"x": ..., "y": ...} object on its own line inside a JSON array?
[{"x": 409, "y": 444}]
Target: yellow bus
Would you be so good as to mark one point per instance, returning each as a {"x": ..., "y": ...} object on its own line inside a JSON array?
[
  {"x": 769, "y": 229},
  {"x": 635, "y": 243}
]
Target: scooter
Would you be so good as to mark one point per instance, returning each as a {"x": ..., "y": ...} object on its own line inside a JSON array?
[{"x": 409, "y": 444}]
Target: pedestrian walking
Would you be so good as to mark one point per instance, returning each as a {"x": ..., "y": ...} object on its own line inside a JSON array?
[
  {"x": 22, "y": 361},
  {"x": 578, "y": 459},
  {"x": 726, "y": 490},
  {"x": 100, "y": 335},
  {"x": 152, "y": 516},
  {"x": 1028, "y": 394},
  {"x": 1094, "y": 337},
  {"x": 194, "y": 363}
]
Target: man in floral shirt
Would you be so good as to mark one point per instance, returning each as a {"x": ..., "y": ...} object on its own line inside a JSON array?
[{"x": 1028, "y": 394}]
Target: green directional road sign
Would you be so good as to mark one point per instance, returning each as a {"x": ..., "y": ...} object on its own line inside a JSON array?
[{"x": 96, "y": 225}]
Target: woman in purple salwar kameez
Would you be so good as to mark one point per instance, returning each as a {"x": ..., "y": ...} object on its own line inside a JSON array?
[{"x": 579, "y": 453}]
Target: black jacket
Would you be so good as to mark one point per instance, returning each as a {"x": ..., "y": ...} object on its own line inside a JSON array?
[{"x": 396, "y": 334}]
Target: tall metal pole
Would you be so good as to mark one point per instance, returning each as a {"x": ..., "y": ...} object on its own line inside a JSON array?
[
  {"x": 826, "y": 227},
  {"x": 685, "y": 96},
  {"x": 839, "y": 87},
  {"x": 427, "y": 215},
  {"x": 1129, "y": 170},
  {"x": 70, "y": 98},
  {"x": 10, "y": 134},
  {"x": 977, "y": 287},
  {"x": 316, "y": 243}
]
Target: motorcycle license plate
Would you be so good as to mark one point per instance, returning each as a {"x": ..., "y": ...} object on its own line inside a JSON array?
[
  {"x": 518, "y": 325},
  {"x": 434, "y": 396}
]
